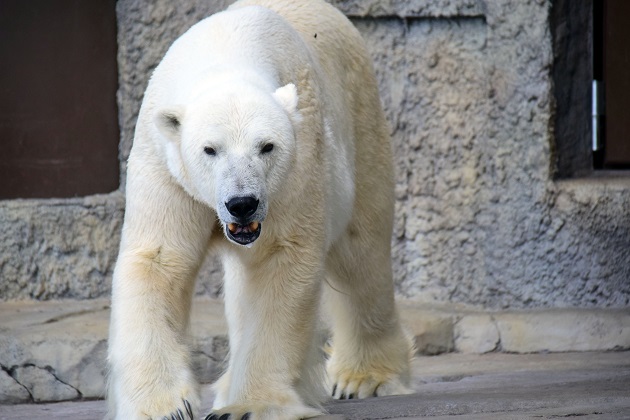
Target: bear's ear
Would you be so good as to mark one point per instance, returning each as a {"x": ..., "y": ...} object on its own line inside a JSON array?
[
  {"x": 169, "y": 122},
  {"x": 287, "y": 97}
]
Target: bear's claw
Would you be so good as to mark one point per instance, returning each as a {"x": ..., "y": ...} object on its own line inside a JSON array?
[
  {"x": 189, "y": 409},
  {"x": 365, "y": 389},
  {"x": 179, "y": 414},
  {"x": 226, "y": 416}
]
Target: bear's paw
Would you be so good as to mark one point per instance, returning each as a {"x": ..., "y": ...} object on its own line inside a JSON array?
[
  {"x": 158, "y": 401},
  {"x": 354, "y": 385},
  {"x": 183, "y": 411},
  {"x": 170, "y": 408},
  {"x": 370, "y": 369}
]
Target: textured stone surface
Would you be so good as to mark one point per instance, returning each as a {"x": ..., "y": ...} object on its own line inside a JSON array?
[
  {"x": 65, "y": 341},
  {"x": 563, "y": 330},
  {"x": 59, "y": 248},
  {"x": 430, "y": 326},
  {"x": 57, "y": 349},
  {"x": 411, "y": 8},
  {"x": 11, "y": 392},
  {"x": 480, "y": 217},
  {"x": 43, "y": 385},
  {"x": 476, "y": 334}
]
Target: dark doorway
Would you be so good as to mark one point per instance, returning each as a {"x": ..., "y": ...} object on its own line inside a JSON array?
[{"x": 58, "y": 114}]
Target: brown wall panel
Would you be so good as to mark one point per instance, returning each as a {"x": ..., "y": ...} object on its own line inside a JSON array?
[{"x": 58, "y": 114}]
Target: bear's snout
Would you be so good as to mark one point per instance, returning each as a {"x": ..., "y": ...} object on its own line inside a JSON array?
[
  {"x": 245, "y": 230},
  {"x": 242, "y": 208}
]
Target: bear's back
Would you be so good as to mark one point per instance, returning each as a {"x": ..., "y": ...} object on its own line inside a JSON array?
[{"x": 335, "y": 42}]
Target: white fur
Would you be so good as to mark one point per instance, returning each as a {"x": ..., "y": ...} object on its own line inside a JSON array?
[{"x": 233, "y": 83}]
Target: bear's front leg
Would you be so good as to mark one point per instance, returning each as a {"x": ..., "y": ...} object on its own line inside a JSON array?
[
  {"x": 271, "y": 308},
  {"x": 149, "y": 358},
  {"x": 165, "y": 236}
]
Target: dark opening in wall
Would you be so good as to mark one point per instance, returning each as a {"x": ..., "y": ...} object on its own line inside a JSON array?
[
  {"x": 611, "y": 56},
  {"x": 58, "y": 112},
  {"x": 591, "y": 42}
]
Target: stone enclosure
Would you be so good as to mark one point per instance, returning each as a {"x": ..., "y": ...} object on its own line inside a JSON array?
[
  {"x": 505, "y": 238},
  {"x": 483, "y": 216}
]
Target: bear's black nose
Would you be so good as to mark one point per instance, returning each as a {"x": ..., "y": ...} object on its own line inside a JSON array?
[{"x": 242, "y": 207}]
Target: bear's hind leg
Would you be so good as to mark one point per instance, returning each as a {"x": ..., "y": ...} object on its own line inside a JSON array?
[{"x": 371, "y": 353}]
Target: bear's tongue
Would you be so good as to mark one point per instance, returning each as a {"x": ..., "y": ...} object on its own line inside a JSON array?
[{"x": 235, "y": 228}]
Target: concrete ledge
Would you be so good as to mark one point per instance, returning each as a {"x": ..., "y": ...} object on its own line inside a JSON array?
[
  {"x": 443, "y": 328},
  {"x": 55, "y": 351}
]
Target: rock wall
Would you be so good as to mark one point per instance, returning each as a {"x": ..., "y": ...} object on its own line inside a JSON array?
[
  {"x": 481, "y": 217},
  {"x": 59, "y": 248}
]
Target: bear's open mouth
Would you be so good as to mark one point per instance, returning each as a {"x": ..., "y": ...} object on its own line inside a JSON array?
[{"x": 243, "y": 234}]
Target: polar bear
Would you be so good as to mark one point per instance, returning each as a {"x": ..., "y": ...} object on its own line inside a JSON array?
[{"x": 261, "y": 138}]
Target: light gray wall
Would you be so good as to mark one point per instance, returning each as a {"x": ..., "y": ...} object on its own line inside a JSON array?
[{"x": 480, "y": 217}]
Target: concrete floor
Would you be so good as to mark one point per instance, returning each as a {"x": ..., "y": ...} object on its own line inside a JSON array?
[{"x": 592, "y": 385}]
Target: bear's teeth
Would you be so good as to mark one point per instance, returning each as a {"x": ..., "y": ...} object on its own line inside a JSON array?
[
  {"x": 253, "y": 226},
  {"x": 233, "y": 227}
]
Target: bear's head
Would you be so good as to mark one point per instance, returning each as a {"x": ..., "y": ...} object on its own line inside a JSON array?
[{"x": 231, "y": 148}]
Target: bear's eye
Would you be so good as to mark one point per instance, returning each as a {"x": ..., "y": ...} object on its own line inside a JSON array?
[
  {"x": 210, "y": 151},
  {"x": 267, "y": 148}
]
